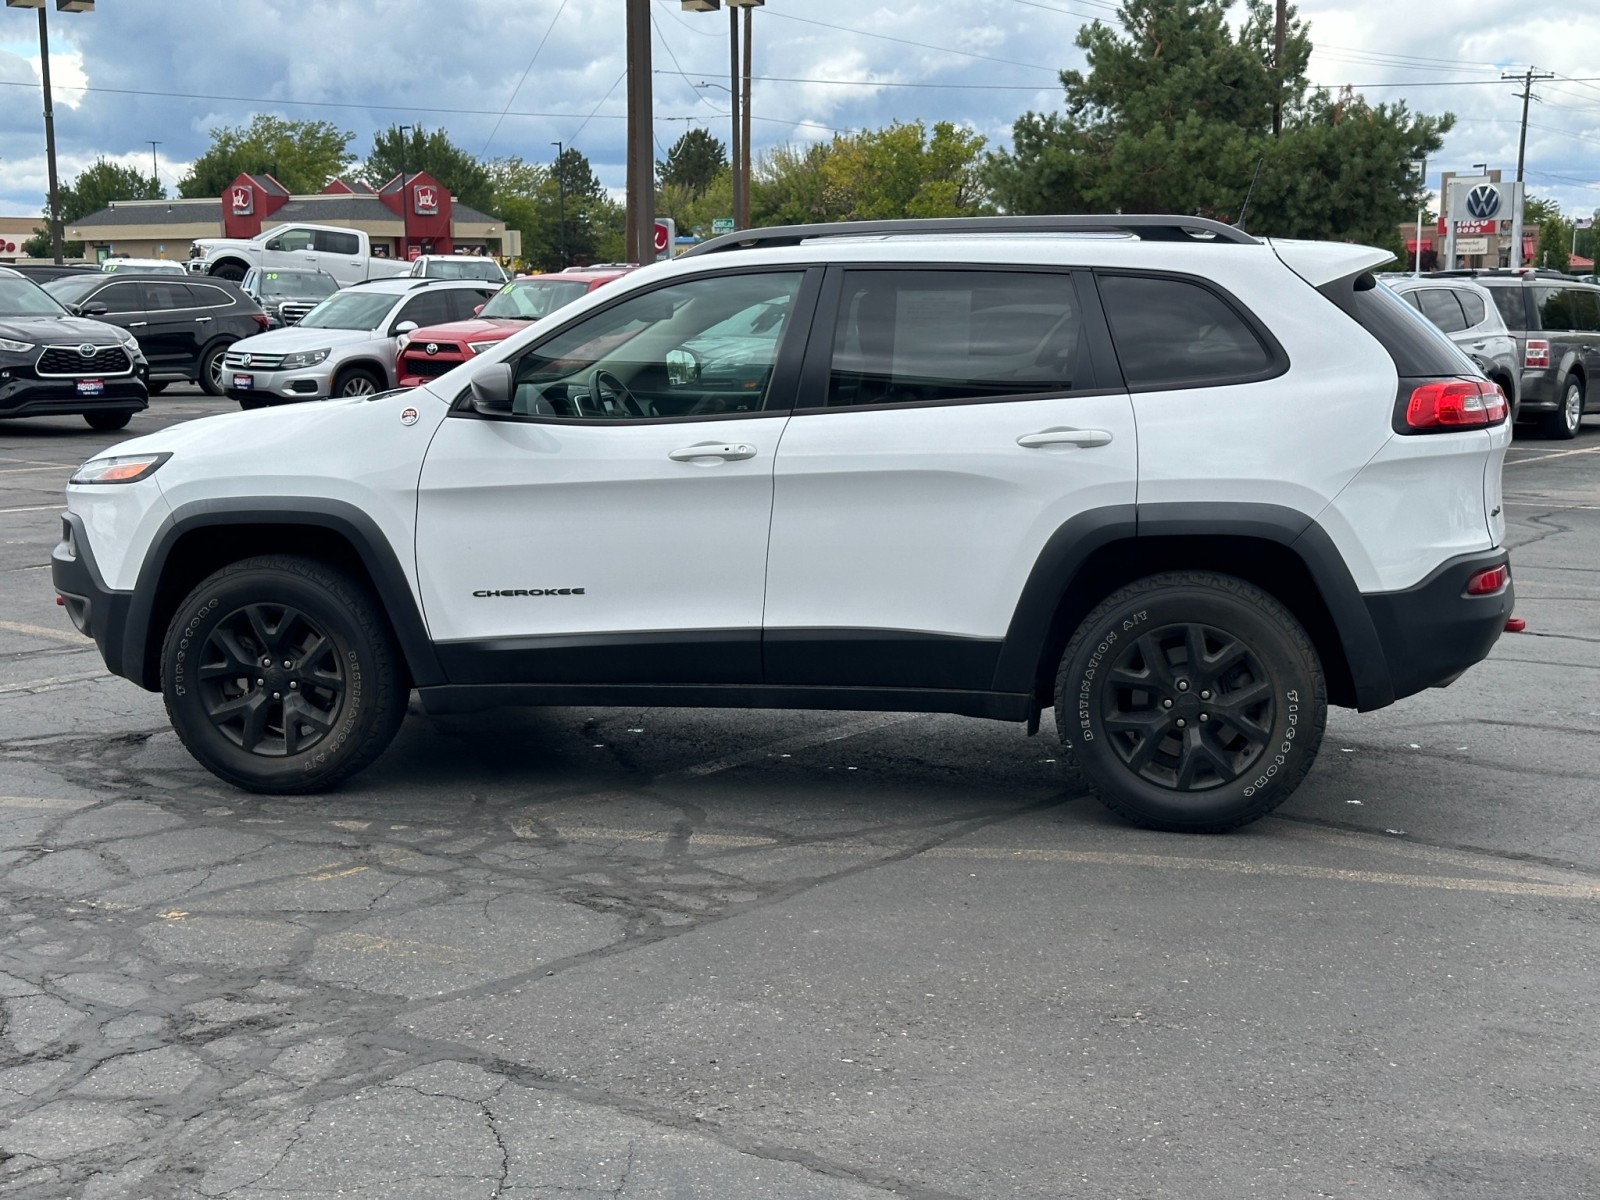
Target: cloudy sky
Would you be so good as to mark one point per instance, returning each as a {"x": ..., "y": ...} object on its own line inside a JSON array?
[{"x": 510, "y": 78}]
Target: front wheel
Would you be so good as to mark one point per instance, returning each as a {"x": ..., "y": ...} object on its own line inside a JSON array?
[
  {"x": 210, "y": 373},
  {"x": 1191, "y": 701},
  {"x": 107, "y": 421},
  {"x": 280, "y": 675},
  {"x": 1564, "y": 422},
  {"x": 356, "y": 382}
]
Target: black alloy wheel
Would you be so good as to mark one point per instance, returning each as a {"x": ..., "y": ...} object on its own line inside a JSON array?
[
  {"x": 1191, "y": 701},
  {"x": 280, "y": 675},
  {"x": 270, "y": 679}
]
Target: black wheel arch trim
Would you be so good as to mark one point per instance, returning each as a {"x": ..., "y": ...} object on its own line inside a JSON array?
[
  {"x": 1069, "y": 549},
  {"x": 394, "y": 592}
]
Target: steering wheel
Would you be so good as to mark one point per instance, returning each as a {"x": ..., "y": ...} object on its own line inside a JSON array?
[{"x": 602, "y": 381}]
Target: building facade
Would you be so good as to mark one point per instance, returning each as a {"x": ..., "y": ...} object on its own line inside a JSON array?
[{"x": 402, "y": 218}]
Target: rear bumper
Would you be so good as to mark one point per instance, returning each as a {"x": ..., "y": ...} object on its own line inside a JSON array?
[
  {"x": 1538, "y": 391},
  {"x": 1433, "y": 632}
]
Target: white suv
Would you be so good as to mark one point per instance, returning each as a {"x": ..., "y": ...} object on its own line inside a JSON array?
[
  {"x": 1185, "y": 486},
  {"x": 347, "y": 345}
]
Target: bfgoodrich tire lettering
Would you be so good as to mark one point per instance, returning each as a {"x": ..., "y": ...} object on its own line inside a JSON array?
[
  {"x": 280, "y": 675},
  {"x": 1191, "y": 701}
]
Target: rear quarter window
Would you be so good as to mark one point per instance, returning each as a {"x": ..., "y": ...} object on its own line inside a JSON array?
[
  {"x": 1415, "y": 344},
  {"x": 1512, "y": 305},
  {"x": 1179, "y": 333}
]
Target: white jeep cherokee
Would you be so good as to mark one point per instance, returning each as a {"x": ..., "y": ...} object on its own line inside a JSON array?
[{"x": 1186, "y": 486}]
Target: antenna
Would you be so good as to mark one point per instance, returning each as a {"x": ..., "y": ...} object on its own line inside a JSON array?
[{"x": 1245, "y": 211}]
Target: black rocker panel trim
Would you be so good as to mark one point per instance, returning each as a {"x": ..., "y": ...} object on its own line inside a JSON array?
[
  {"x": 672, "y": 657},
  {"x": 878, "y": 658},
  {"x": 349, "y": 522},
  {"x": 967, "y": 704}
]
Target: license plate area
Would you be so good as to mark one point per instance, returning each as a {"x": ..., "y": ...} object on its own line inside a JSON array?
[
  {"x": 244, "y": 382},
  {"x": 91, "y": 387}
]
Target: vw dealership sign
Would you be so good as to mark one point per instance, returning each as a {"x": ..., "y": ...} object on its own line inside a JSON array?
[
  {"x": 1478, "y": 208},
  {"x": 1483, "y": 202}
]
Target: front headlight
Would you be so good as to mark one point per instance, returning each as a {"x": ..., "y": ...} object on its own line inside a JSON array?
[
  {"x": 480, "y": 347},
  {"x": 129, "y": 468},
  {"x": 11, "y": 347},
  {"x": 128, "y": 340},
  {"x": 306, "y": 358}
]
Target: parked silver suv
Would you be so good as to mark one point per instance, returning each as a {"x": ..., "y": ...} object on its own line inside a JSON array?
[
  {"x": 347, "y": 345},
  {"x": 1466, "y": 314}
]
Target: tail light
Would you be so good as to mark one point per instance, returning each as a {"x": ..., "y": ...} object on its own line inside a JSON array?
[
  {"x": 261, "y": 320},
  {"x": 1445, "y": 404},
  {"x": 1487, "y": 583},
  {"x": 1537, "y": 355}
]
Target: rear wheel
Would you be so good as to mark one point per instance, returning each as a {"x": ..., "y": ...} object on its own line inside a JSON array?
[
  {"x": 156, "y": 386},
  {"x": 210, "y": 373},
  {"x": 1564, "y": 422},
  {"x": 108, "y": 420},
  {"x": 280, "y": 675},
  {"x": 1191, "y": 701}
]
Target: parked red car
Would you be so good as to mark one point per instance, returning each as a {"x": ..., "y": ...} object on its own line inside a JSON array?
[{"x": 429, "y": 353}]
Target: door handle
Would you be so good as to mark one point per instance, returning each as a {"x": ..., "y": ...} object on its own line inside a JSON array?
[
  {"x": 727, "y": 451},
  {"x": 137, "y": 324},
  {"x": 1064, "y": 437},
  {"x": 201, "y": 320}
]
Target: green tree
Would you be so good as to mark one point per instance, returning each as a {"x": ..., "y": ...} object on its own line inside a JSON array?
[
  {"x": 97, "y": 186},
  {"x": 1554, "y": 248},
  {"x": 1175, "y": 115},
  {"x": 694, "y": 212},
  {"x": 1587, "y": 237},
  {"x": 459, "y": 172},
  {"x": 901, "y": 170},
  {"x": 301, "y": 155},
  {"x": 693, "y": 164},
  {"x": 533, "y": 198}
]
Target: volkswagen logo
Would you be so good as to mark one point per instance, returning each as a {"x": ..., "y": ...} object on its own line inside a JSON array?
[
  {"x": 1483, "y": 201},
  {"x": 244, "y": 360},
  {"x": 88, "y": 351},
  {"x": 431, "y": 348}
]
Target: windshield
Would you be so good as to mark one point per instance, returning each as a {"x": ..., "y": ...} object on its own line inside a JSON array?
[
  {"x": 350, "y": 310},
  {"x": 462, "y": 268},
  {"x": 23, "y": 298},
  {"x": 297, "y": 283},
  {"x": 72, "y": 289},
  {"x": 530, "y": 299}
]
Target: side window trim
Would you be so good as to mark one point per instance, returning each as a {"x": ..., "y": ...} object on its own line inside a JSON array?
[
  {"x": 1278, "y": 359},
  {"x": 781, "y": 393},
  {"x": 816, "y": 373}
]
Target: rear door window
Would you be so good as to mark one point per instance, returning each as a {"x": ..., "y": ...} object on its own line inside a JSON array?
[
  {"x": 1441, "y": 307},
  {"x": 909, "y": 337},
  {"x": 1179, "y": 333},
  {"x": 1472, "y": 304}
]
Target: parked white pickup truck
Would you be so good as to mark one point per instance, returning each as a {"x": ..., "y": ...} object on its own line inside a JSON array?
[{"x": 346, "y": 254}]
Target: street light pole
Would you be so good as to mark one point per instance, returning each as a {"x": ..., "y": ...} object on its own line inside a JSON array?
[
  {"x": 50, "y": 139},
  {"x": 405, "y": 200},
  {"x": 155, "y": 168},
  {"x": 561, "y": 204}
]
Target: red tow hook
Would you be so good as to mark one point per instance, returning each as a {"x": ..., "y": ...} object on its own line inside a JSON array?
[
  {"x": 1515, "y": 624},
  {"x": 61, "y": 600}
]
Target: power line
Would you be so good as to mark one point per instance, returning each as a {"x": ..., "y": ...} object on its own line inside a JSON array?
[
  {"x": 513, "y": 98},
  {"x": 887, "y": 83}
]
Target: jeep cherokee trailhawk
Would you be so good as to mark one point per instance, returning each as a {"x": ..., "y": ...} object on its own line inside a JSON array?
[{"x": 1185, "y": 486}]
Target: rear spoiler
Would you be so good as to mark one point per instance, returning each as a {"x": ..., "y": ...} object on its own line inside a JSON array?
[{"x": 1322, "y": 263}]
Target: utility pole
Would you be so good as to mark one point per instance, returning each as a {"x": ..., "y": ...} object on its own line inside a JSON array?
[
  {"x": 737, "y": 150},
  {"x": 155, "y": 169},
  {"x": 1278, "y": 41},
  {"x": 742, "y": 215},
  {"x": 641, "y": 161},
  {"x": 50, "y": 139},
  {"x": 1527, "y": 79},
  {"x": 561, "y": 205}
]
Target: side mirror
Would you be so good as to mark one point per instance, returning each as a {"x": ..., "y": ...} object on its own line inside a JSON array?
[
  {"x": 95, "y": 308},
  {"x": 403, "y": 328},
  {"x": 491, "y": 390},
  {"x": 682, "y": 367},
  {"x": 477, "y": 309}
]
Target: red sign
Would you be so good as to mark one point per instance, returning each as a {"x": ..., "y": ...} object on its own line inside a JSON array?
[
  {"x": 1476, "y": 228},
  {"x": 427, "y": 198},
  {"x": 243, "y": 199},
  {"x": 413, "y": 253},
  {"x": 662, "y": 234}
]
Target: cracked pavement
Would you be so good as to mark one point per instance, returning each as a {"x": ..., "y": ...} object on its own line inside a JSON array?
[{"x": 672, "y": 953}]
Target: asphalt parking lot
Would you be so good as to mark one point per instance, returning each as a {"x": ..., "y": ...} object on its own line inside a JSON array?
[{"x": 668, "y": 953}]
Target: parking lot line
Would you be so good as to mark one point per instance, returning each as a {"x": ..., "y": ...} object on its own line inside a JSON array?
[
  {"x": 1551, "y": 455},
  {"x": 55, "y": 681},
  {"x": 70, "y": 636},
  {"x": 34, "y": 508}
]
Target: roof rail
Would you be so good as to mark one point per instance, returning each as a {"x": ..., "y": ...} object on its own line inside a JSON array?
[{"x": 1146, "y": 227}]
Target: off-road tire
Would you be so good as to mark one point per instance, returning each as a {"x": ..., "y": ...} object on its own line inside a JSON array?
[
  {"x": 1244, "y": 755},
  {"x": 222, "y": 659}
]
